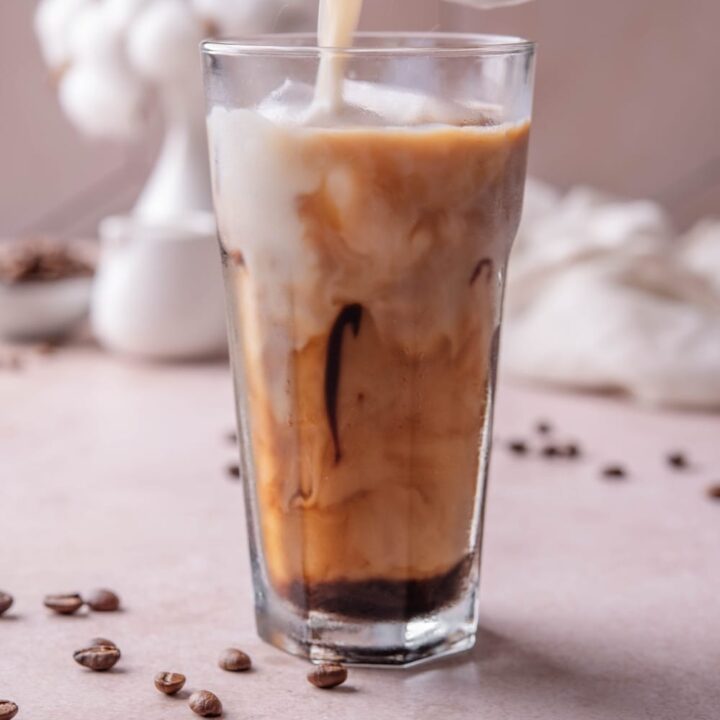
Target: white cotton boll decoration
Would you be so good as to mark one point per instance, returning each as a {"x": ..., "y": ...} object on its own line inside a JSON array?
[
  {"x": 53, "y": 22},
  {"x": 93, "y": 37},
  {"x": 102, "y": 100},
  {"x": 163, "y": 42},
  {"x": 700, "y": 251},
  {"x": 121, "y": 13}
]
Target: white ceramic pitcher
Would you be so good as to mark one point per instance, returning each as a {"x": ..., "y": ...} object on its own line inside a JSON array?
[{"x": 159, "y": 291}]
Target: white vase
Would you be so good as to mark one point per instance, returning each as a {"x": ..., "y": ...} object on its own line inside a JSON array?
[
  {"x": 180, "y": 181},
  {"x": 159, "y": 289},
  {"x": 158, "y": 292}
]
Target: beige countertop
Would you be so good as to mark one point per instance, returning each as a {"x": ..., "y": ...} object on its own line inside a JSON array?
[{"x": 600, "y": 599}]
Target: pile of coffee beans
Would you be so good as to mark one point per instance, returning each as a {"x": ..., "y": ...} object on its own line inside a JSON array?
[{"x": 40, "y": 260}]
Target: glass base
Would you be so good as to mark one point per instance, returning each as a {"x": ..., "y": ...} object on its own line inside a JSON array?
[{"x": 321, "y": 637}]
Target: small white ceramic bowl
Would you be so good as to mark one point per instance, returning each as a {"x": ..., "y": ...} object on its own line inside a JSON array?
[{"x": 43, "y": 310}]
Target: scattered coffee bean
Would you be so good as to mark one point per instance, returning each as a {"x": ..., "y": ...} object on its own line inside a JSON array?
[
  {"x": 543, "y": 427},
  {"x": 6, "y": 601},
  {"x": 614, "y": 472},
  {"x": 714, "y": 492},
  {"x": 518, "y": 447},
  {"x": 63, "y": 604},
  {"x": 327, "y": 676},
  {"x": 11, "y": 362},
  {"x": 100, "y": 641},
  {"x": 234, "y": 660},
  {"x": 571, "y": 450},
  {"x": 8, "y": 709},
  {"x": 103, "y": 600},
  {"x": 677, "y": 460},
  {"x": 169, "y": 683},
  {"x": 232, "y": 437},
  {"x": 98, "y": 657},
  {"x": 205, "y": 704},
  {"x": 46, "y": 348},
  {"x": 550, "y": 451},
  {"x": 233, "y": 471}
]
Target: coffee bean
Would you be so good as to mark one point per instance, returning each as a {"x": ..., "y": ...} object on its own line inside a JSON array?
[
  {"x": 169, "y": 683},
  {"x": 232, "y": 438},
  {"x": 205, "y": 704},
  {"x": 550, "y": 451},
  {"x": 101, "y": 641},
  {"x": 543, "y": 427},
  {"x": 46, "y": 348},
  {"x": 614, "y": 472},
  {"x": 98, "y": 657},
  {"x": 63, "y": 604},
  {"x": 677, "y": 460},
  {"x": 571, "y": 450},
  {"x": 518, "y": 447},
  {"x": 103, "y": 600},
  {"x": 8, "y": 709},
  {"x": 233, "y": 471},
  {"x": 234, "y": 660},
  {"x": 714, "y": 492},
  {"x": 11, "y": 362},
  {"x": 6, "y": 601},
  {"x": 327, "y": 676}
]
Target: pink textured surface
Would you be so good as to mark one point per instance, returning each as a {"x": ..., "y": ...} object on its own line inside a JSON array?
[{"x": 600, "y": 599}]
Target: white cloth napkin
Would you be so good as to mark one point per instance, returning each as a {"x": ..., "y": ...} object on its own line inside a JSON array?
[{"x": 603, "y": 295}]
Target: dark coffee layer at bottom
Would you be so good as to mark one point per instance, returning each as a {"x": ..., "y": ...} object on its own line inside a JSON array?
[{"x": 379, "y": 599}]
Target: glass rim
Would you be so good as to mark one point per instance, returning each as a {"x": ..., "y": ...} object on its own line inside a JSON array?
[{"x": 458, "y": 45}]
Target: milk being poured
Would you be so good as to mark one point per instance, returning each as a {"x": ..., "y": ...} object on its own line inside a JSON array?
[{"x": 337, "y": 22}]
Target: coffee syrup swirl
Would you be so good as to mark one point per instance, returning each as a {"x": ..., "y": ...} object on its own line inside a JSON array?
[{"x": 350, "y": 315}]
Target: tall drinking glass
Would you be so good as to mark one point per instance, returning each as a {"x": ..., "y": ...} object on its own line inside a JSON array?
[{"x": 364, "y": 249}]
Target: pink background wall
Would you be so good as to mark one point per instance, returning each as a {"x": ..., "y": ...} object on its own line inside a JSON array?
[{"x": 627, "y": 100}]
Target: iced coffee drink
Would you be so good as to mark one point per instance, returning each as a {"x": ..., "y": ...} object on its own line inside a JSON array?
[{"x": 364, "y": 254}]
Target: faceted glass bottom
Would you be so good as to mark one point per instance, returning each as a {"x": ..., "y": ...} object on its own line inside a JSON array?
[{"x": 321, "y": 637}]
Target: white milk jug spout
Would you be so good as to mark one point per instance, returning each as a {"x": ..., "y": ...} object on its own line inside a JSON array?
[{"x": 159, "y": 290}]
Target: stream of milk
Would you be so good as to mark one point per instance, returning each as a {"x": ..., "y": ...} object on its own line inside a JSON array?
[{"x": 337, "y": 22}]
